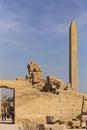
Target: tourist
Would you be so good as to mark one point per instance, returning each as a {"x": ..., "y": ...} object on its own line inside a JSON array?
[
  {"x": 4, "y": 116},
  {"x": 12, "y": 115}
]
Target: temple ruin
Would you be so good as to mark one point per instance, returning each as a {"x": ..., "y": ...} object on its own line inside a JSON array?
[{"x": 36, "y": 97}]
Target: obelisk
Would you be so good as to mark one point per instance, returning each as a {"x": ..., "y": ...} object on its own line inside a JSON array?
[
  {"x": 73, "y": 57},
  {"x": 0, "y": 101}
]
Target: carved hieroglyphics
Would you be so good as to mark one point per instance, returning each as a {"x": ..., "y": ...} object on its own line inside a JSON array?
[{"x": 36, "y": 97}]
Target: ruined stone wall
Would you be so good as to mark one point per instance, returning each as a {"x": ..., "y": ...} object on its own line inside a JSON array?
[
  {"x": 33, "y": 104},
  {"x": 35, "y": 76},
  {"x": 19, "y": 87}
]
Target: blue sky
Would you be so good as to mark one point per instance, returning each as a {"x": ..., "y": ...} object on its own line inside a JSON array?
[{"x": 38, "y": 30}]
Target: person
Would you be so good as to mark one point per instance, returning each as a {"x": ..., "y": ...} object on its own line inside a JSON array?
[
  {"x": 3, "y": 115},
  {"x": 12, "y": 115}
]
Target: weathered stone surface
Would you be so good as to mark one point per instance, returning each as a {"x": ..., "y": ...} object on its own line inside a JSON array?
[
  {"x": 55, "y": 127},
  {"x": 29, "y": 125},
  {"x": 35, "y": 76},
  {"x": 53, "y": 84},
  {"x": 30, "y": 103},
  {"x": 74, "y": 123},
  {"x": 73, "y": 60},
  {"x": 85, "y": 97},
  {"x": 33, "y": 67}
]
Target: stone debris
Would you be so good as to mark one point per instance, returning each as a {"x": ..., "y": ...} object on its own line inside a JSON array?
[
  {"x": 54, "y": 119},
  {"x": 50, "y": 119},
  {"x": 35, "y": 77},
  {"x": 29, "y": 125},
  {"x": 74, "y": 123},
  {"x": 53, "y": 84}
]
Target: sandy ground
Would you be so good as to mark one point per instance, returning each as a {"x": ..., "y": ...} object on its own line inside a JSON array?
[
  {"x": 9, "y": 127},
  {"x": 15, "y": 127}
]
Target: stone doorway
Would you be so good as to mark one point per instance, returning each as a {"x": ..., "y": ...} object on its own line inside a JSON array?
[{"x": 7, "y": 115}]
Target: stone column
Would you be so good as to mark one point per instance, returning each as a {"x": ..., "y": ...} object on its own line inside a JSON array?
[{"x": 73, "y": 60}]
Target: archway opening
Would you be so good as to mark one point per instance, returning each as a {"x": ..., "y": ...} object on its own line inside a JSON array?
[{"x": 7, "y": 105}]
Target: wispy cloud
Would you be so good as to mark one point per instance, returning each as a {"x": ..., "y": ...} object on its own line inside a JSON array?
[{"x": 15, "y": 25}]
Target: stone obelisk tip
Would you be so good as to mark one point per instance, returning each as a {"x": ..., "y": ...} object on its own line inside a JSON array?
[{"x": 72, "y": 23}]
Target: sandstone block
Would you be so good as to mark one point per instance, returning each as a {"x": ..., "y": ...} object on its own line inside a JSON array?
[
  {"x": 85, "y": 102},
  {"x": 85, "y": 97},
  {"x": 33, "y": 67},
  {"x": 19, "y": 79}
]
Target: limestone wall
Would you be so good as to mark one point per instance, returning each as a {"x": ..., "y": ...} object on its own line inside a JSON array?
[
  {"x": 35, "y": 105},
  {"x": 19, "y": 87}
]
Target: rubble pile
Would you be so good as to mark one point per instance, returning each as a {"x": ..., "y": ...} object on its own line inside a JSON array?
[
  {"x": 53, "y": 84},
  {"x": 35, "y": 77}
]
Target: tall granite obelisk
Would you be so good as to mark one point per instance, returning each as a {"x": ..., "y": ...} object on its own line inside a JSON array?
[{"x": 73, "y": 57}]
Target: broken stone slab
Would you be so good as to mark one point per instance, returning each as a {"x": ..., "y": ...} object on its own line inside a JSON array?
[{"x": 54, "y": 119}]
